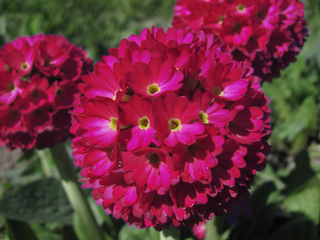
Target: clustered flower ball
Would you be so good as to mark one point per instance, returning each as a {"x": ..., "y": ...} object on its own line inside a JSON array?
[
  {"x": 266, "y": 33},
  {"x": 169, "y": 129},
  {"x": 38, "y": 86}
]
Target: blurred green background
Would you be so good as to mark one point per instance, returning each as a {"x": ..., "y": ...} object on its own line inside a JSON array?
[
  {"x": 293, "y": 165},
  {"x": 96, "y": 25}
]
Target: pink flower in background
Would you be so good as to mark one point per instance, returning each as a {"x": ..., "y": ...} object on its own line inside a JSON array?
[
  {"x": 199, "y": 230},
  {"x": 266, "y": 34},
  {"x": 38, "y": 76},
  {"x": 170, "y": 129}
]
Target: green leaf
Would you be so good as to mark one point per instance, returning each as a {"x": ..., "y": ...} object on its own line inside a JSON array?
[
  {"x": 132, "y": 233},
  {"x": 32, "y": 168},
  {"x": 17, "y": 230},
  {"x": 28, "y": 155},
  {"x": 154, "y": 234},
  {"x": 305, "y": 200},
  {"x": 225, "y": 235},
  {"x": 78, "y": 229},
  {"x": 44, "y": 234},
  {"x": 212, "y": 229},
  {"x": 300, "y": 174},
  {"x": 268, "y": 175},
  {"x": 265, "y": 221},
  {"x": 248, "y": 226},
  {"x": 259, "y": 197},
  {"x": 261, "y": 211},
  {"x": 298, "y": 229},
  {"x": 40, "y": 201},
  {"x": 103, "y": 219}
]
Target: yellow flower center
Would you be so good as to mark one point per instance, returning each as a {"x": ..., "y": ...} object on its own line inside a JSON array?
[
  {"x": 192, "y": 149},
  {"x": 153, "y": 89},
  {"x": 144, "y": 123},
  {"x": 126, "y": 98},
  {"x": 34, "y": 94},
  {"x": 7, "y": 68},
  {"x": 231, "y": 124},
  {"x": 154, "y": 158},
  {"x": 260, "y": 14},
  {"x": 220, "y": 20},
  {"x": 217, "y": 91},
  {"x": 24, "y": 66},
  {"x": 59, "y": 92},
  {"x": 241, "y": 8},
  {"x": 192, "y": 84},
  {"x": 113, "y": 123},
  {"x": 14, "y": 112},
  {"x": 37, "y": 112},
  {"x": 10, "y": 86},
  {"x": 236, "y": 27},
  {"x": 174, "y": 124},
  {"x": 204, "y": 117},
  {"x": 46, "y": 62}
]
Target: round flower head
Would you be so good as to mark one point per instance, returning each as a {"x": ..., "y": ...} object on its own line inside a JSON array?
[
  {"x": 266, "y": 34},
  {"x": 38, "y": 86},
  {"x": 170, "y": 129}
]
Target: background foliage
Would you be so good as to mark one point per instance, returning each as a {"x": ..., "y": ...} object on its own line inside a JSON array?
[{"x": 285, "y": 196}]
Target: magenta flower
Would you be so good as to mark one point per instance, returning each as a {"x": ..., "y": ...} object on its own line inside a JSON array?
[
  {"x": 19, "y": 56},
  {"x": 106, "y": 81},
  {"x": 9, "y": 87},
  {"x": 155, "y": 78},
  {"x": 170, "y": 129},
  {"x": 213, "y": 113},
  {"x": 266, "y": 34},
  {"x": 174, "y": 121},
  {"x": 138, "y": 114},
  {"x": 100, "y": 123},
  {"x": 149, "y": 167},
  {"x": 38, "y": 86}
]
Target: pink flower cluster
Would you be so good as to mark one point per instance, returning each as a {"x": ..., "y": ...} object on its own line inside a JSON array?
[
  {"x": 38, "y": 86},
  {"x": 267, "y": 34},
  {"x": 170, "y": 129}
]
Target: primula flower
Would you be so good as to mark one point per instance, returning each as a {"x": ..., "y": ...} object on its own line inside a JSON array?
[
  {"x": 155, "y": 78},
  {"x": 174, "y": 121},
  {"x": 138, "y": 114},
  {"x": 101, "y": 123},
  {"x": 150, "y": 168},
  {"x": 9, "y": 87},
  {"x": 170, "y": 129},
  {"x": 266, "y": 34},
  {"x": 19, "y": 56},
  {"x": 38, "y": 86}
]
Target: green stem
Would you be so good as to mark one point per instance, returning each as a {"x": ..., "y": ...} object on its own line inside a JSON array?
[
  {"x": 212, "y": 230},
  {"x": 74, "y": 193},
  {"x": 44, "y": 163},
  {"x": 170, "y": 234}
]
